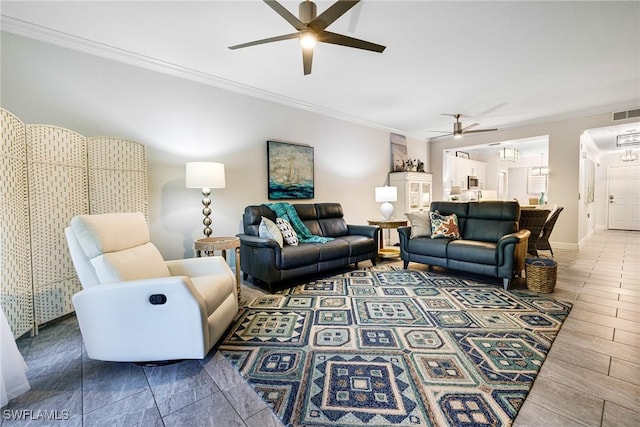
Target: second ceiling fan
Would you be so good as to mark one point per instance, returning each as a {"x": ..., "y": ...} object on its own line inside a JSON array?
[
  {"x": 458, "y": 130},
  {"x": 312, "y": 28}
]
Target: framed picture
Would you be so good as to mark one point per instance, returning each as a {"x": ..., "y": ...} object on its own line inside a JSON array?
[
  {"x": 462, "y": 154},
  {"x": 290, "y": 169},
  {"x": 399, "y": 155}
]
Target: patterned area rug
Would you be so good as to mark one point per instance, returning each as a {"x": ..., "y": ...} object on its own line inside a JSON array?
[{"x": 394, "y": 348}]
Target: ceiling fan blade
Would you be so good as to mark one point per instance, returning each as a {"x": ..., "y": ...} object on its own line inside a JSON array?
[
  {"x": 330, "y": 15},
  {"x": 440, "y": 136},
  {"x": 268, "y": 40},
  {"x": 307, "y": 59},
  {"x": 342, "y": 40},
  {"x": 466, "y": 128},
  {"x": 288, "y": 16},
  {"x": 479, "y": 130}
]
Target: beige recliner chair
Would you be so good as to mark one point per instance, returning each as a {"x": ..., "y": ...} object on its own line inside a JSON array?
[{"x": 136, "y": 307}]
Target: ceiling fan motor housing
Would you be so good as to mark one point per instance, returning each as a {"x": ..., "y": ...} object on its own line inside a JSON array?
[
  {"x": 307, "y": 11},
  {"x": 457, "y": 128}
]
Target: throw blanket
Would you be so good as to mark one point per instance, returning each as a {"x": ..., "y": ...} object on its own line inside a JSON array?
[{"x": 288, "y": 212}]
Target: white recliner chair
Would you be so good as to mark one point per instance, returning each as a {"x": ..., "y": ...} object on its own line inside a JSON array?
[{"x": 136, "y": 307}]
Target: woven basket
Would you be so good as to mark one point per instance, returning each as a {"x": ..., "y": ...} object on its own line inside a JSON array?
[{"x": 541, "y": 274}]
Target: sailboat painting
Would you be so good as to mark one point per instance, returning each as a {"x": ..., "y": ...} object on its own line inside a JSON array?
[{"x": 290, "y": 170}]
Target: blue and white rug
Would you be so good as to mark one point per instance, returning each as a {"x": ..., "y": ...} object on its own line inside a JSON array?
[{"x": 394, "y": 348}]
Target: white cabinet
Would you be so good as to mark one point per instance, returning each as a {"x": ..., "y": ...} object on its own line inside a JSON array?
[
  {"x": 414, "y": 191},
  {"x": 457, "y": 169}
]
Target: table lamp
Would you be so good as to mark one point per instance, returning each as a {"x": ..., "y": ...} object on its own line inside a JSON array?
[
  {"x": 455, "y": 192},
  {"x": 385, "y": 195},
  {"x": 205, "y": 175}
]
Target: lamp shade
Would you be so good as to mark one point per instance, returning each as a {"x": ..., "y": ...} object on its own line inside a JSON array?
[
  {"x": 205, "y": 175},
  {"x": 456, "y": 190},
  {"x": 386, "y": 194}
]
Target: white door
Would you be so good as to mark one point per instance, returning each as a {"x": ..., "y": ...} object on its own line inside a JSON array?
[{"x": 624, "y": 197}]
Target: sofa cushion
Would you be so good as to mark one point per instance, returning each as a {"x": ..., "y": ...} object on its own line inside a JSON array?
[
  {"x": 253, "y": 216},
  {"x": 269, "y": 230},
  {"x": 473, "y": 251},
  {"x": 428, "y": 247},
  {"x": 333, "y": 249},
  {"x": 444, "y": 226},
  {"x": 358, "y": 244},
  {"x": 420, "y": 224},
  {"x": 489, "y": 221},
  {"x": 288, "y": 233},
  {"x": 101, "y": 233},
  {"x": 299, "y": 256},
  {"x": 488, "y": 230},
  {"x": 334, "y": 227},
  {"x": 331, "y": 220},
  {"x": 309, "y": 217},
  {"x": 140, "y": 262}
]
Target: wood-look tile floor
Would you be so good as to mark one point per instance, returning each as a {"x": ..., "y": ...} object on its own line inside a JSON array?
[{"x": 591, "y": 376}]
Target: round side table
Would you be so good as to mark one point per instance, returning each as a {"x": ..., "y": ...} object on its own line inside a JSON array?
[
  {"x": 207, "y": 247},
  {"x": 388, "y": 224}
]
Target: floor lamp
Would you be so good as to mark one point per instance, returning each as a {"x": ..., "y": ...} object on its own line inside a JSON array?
[{"x": 205, "y": 175}]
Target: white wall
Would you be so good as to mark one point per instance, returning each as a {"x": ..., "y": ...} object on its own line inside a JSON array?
[
  {"x": 565, "y": 185},
  {"x": 179, "y": 121}
]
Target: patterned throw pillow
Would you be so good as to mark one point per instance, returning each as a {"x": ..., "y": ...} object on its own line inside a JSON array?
[
  {"x": 288, "y": 233},
  {"x": 420, "y": 224},
  {"x": 269, "y": 230},
  {"x": 444, "y": 226}
]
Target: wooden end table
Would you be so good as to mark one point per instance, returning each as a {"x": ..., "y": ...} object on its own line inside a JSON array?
[
  {"x": 388, "y": 224},
  {"x": 207, "y": 247}
]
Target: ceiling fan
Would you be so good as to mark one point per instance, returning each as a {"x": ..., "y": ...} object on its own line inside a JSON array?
[
  {"x": 311, "y": 29},
  {"x": 458, "y": 130}
]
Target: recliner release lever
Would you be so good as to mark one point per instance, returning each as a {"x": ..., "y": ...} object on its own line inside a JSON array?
[{"x": 157, "y": 299}]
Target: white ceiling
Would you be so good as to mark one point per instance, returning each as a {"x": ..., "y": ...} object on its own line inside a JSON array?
[{"x": 498, "y": 63}]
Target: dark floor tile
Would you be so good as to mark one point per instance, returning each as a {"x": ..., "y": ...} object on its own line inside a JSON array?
[
  {"x": 108, "y": 382},
  {"x": 213, "y": 410},
  {"x": 137, "y": 410},
  {"x": 56, "y": 385},
  {"x": 178, "y": 385}
]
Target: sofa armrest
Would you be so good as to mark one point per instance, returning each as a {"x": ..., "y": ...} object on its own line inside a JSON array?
[
  {"x": 404, "y": 234},
  {"x": 517, "y": 238},
  {"x": 363, "y": 230},
  {"x": 195, "y": 267},
  {"x": 115, "y": 313},
  {"x": 258, "y": 242}
]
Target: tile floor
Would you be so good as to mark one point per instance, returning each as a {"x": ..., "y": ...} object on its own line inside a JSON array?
[{"x": 591, "y": 376}]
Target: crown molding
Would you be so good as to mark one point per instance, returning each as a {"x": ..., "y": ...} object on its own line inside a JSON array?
[{"x": 47, "y": 35}]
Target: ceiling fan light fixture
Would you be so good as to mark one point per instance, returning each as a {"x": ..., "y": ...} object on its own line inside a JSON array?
[
  {"x": 308, "y": 40},
  {"x": 509, "y": 154},
  {"x": 627, "y": 139},
  {"x": 311, "y": 29}
]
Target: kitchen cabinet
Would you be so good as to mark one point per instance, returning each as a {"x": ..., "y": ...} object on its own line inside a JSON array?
[{"x": 457, "y": 169}]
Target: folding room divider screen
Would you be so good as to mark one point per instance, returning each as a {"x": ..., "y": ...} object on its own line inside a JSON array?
[{"x": 49, "y": 174}]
